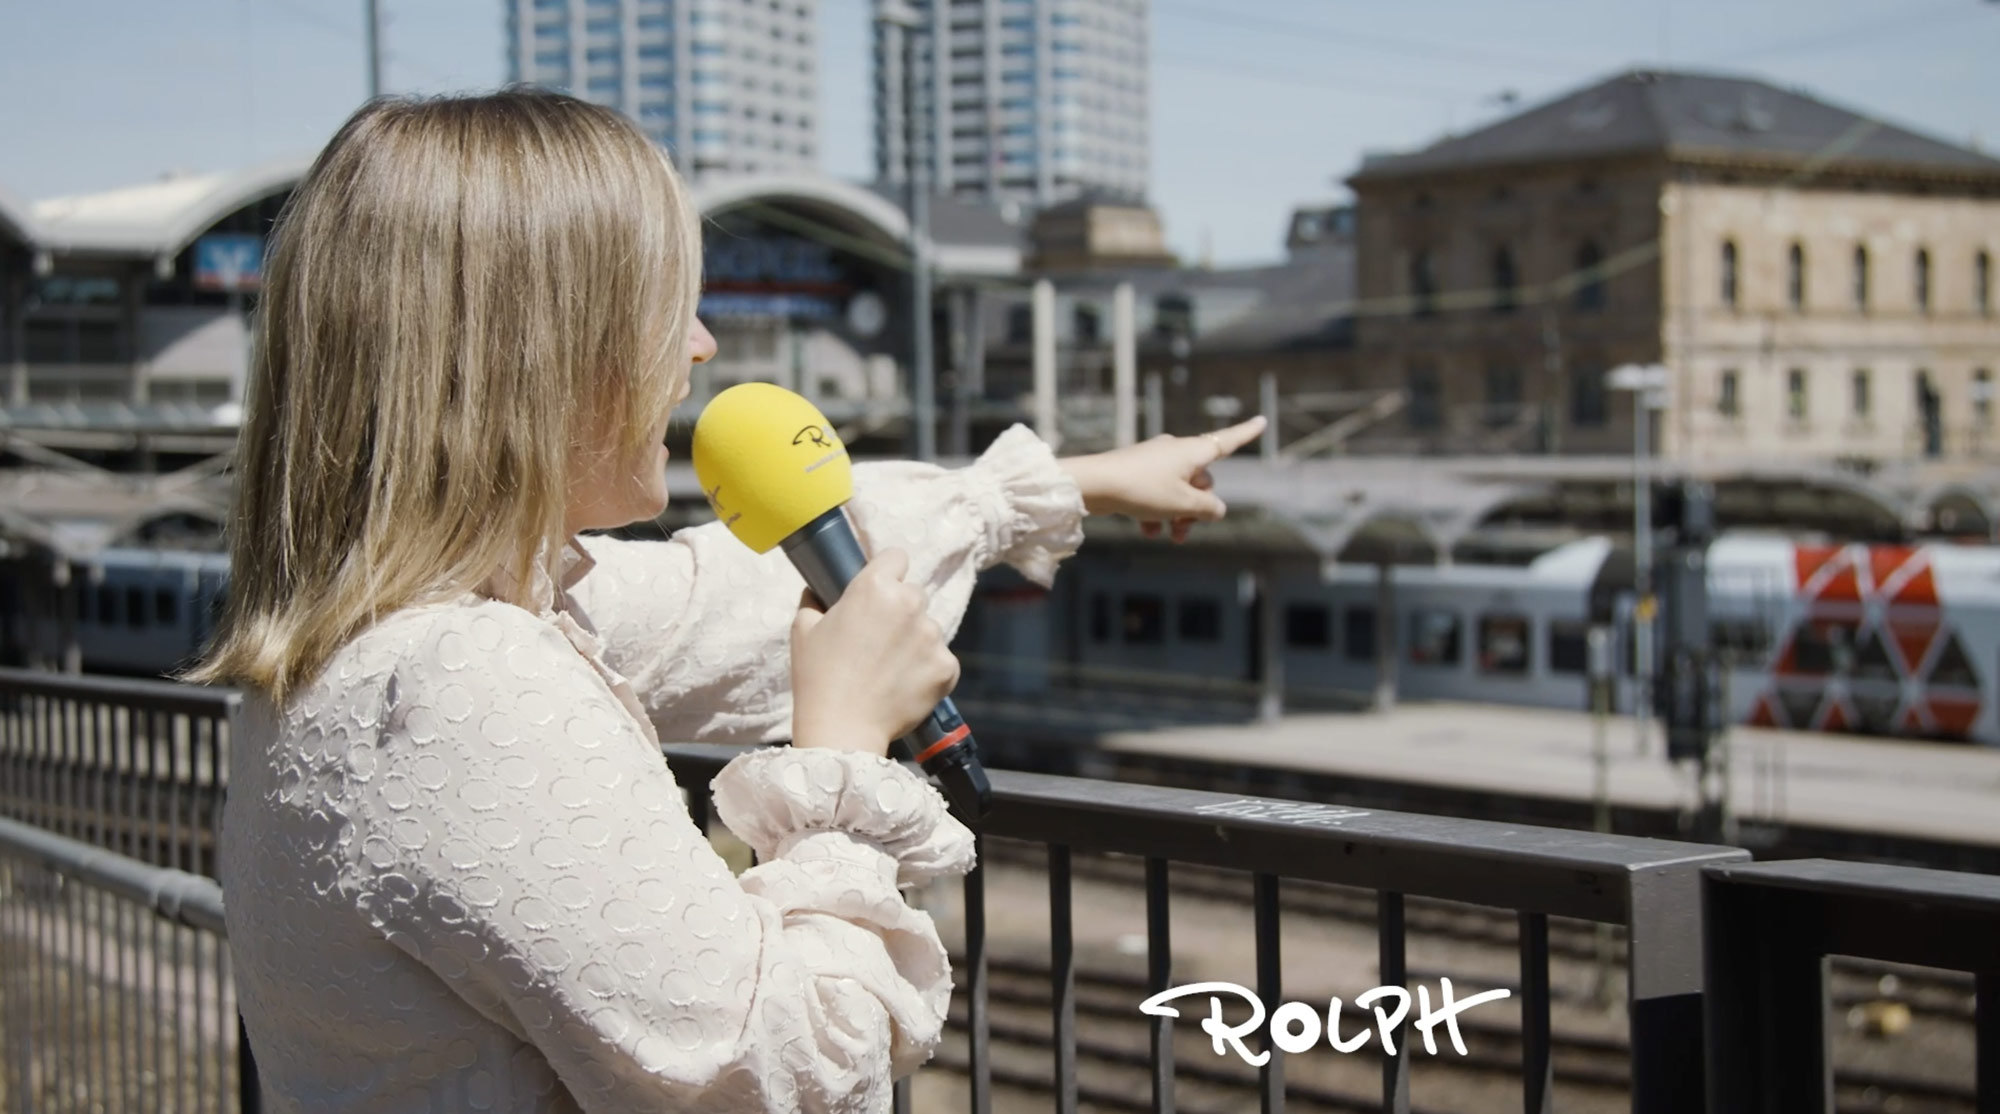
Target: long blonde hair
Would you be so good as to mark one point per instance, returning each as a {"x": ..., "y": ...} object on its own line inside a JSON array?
[{"x": 463, "y": 299}]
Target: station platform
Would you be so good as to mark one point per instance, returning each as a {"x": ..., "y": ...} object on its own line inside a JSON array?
[{"x": 1884, "y": 793}]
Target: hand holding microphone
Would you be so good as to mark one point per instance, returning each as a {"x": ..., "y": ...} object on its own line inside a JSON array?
[
  {"x": 776, "y": 475},
  {"x": 871, "y": 668}
]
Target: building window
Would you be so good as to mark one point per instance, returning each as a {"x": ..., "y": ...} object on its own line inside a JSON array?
[
  {"x": 1860, "y": 277},
  {"x": 1308, "y": 626},
  {"x": 1729, "y": 273},
  {"x": 1727, "y": 403},
  {"x": 1861, "y": 399},
  {"x": 1423, "y": 284},
  {"x": 1506, "y": 282},
  {"x": 1425, "y": 411},
  {"x": 1590, "y": 293},
  {"x": 1503, "y": 394},
  {"x": 1084, "y": 324},
  {"x": 1020, "y": 324},
  {"x": 1923, "y": 280},
  {"x": 1930, "y": 415},
  {"x": 1795, "y": 278},
  {"x": 1982, "y": 283},
  {"x": 1795, "y": 394},
  {"x": 1586, "y": 396},
  {"x": 1982, "y": 398},
  {"x": 1174, "y": 313},
  {"x": 1145, "y": 619}
]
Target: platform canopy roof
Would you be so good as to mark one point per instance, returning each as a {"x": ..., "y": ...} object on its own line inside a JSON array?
[
  {"x": 74, "y": 515},
  {"x": 161, "y": 218}
]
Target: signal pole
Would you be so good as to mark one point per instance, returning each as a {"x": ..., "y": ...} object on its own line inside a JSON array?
[{"x": 373, "y": 10}]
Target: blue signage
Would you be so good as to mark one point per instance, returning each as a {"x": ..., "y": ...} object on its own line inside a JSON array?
[{"x": 229, "y": 261}]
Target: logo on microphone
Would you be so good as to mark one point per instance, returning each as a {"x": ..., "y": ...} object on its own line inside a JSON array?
[{"x": 812, "y": 433}]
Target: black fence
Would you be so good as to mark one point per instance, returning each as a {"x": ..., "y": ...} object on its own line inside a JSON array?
[
  {"x": 1725, "y": 960},
  {"x": 1771, "y": 927},
  {"x": 1650, "y": 887}
]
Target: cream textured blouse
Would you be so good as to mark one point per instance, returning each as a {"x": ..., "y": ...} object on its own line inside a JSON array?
[{"x": 460, "y": 877}]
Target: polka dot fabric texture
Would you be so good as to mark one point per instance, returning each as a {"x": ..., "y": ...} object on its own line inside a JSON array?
[{"x": 460, "y": 876}]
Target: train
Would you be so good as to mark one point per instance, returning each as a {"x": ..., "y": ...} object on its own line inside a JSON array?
[
  {"x": 1891, "y": 640},
  {"x": 137, "y": 612}
]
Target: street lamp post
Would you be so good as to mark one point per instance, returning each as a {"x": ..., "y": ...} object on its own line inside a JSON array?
[
  {"x": 1648, "y": 384},
  {"x": 902, "y": 22}
]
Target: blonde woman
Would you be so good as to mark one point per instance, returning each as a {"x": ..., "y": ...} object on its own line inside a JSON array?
[{"x": 459, "y": 874}]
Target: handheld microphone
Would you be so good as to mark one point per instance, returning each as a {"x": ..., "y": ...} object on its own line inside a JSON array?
[{"x": 776, "y": 475}]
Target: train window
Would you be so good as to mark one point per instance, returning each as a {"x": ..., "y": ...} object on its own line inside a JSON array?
[
  {"x": 1100, "y": 617},
  {"x": 135, "y": 606},
  {"x": 1434, "y": 637},
  {"x": 1308, "y": 626},
  {"x": 1145, "y": 619},
  {"x": 1200, "y": 620},
  {"x": 86, "y": 606},
  {"x": 1358, "y": 632},
  {"x": 1503, "y": 644},
  {"x": 1871, "y": 660},
  {"x": 166, "y": 607},
  {"x": 1569, "y": 646},
  {"x": 1823, "y": 647},
  {"x": 107, "y": 604},
  {"x": 1740, "y": 641},
  {"x": 1953, "y": 668}
]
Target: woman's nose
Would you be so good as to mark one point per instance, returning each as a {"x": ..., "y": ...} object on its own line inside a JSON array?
[{"x": 701, "y": 343}]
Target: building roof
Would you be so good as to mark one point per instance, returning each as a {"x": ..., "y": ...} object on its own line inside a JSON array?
[
  {"x": 1306, "y": 303},
  {"x": 1689, "y": 116},
  {"x": 17, "y": 221},
  {"x": 163, "y": 217}
]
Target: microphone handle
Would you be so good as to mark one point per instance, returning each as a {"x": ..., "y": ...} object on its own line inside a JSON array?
[{"x": 829, "y": 557}]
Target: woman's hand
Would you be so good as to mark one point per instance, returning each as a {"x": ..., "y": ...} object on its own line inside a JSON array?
[
  {"x": 871, "y": 667},
  {"x": 1164, "y": 480}
]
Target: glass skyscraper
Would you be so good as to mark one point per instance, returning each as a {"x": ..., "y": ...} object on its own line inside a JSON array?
[
  {"x": 1035, "y": 101},
  {"x": 729, "y": 86}
]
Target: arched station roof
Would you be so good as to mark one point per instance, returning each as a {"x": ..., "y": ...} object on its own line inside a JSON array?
[
  {"x": 17, "y": 221},
  {"x": 162, "y": 218}
]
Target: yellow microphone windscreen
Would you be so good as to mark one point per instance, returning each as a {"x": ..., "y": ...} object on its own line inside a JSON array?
[{"x": 769, "y": 462}]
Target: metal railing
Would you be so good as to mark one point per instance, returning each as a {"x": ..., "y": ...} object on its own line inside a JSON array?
[
  {"x": 1651, "y": 887},
  {"x": 133, "y": 766},
  {"x": 1771, "y": 928},
  {"x": 115, "y": 992}
]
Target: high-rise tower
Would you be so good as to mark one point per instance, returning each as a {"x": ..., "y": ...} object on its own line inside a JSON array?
[
  {"x": 1035, "y": 101},
  {"x": 730, "y": 86}
]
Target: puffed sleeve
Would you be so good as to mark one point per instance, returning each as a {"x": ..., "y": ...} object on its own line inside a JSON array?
[
  {"x": 517, "y": 833},
  {"x": 701, "y": 626}
]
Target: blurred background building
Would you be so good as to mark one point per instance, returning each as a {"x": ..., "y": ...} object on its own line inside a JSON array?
[
  {"x": 1030, "y": 101},
  {"x": 1818, "y": 282},
  {"x": 728, "y": 87}
]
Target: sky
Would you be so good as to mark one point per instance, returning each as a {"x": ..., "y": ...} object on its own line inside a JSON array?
[{"x": 1258, "y": 105}]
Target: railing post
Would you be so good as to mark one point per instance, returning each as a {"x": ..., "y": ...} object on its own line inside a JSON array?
[
  {"x": 249, "y": 1093},
  {"x": 1766, "y": 1009},
  {"x": 1665, "y": 985}
]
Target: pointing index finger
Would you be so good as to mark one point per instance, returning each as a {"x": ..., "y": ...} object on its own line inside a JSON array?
[{"x": 1227, "y": 441}]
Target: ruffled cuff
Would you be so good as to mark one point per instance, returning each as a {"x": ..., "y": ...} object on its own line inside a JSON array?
[
  {"x": 769, "y": 796},
  {"x": 1034, "y": 510}
]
